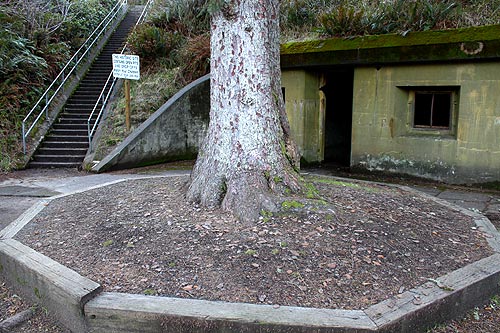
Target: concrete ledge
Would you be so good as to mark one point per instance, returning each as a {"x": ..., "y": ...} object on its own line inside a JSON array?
[
  {"x": 116, "y": 312},
  {"x": 43, "y": 280}
]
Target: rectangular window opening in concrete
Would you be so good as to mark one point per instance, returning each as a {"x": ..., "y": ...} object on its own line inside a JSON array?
[{"x": 432, "y": 110}]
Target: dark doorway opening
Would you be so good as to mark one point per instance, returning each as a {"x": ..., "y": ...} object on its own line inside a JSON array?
[{"x": 338, "y": 92}]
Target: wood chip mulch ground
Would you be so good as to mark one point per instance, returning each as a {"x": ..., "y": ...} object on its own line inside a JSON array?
[{"x": 369, "y": 242}]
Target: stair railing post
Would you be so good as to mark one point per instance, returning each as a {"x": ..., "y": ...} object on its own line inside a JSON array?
[
  {"x": 89, "y": 135},
  {"x": 24, "y": 138}
]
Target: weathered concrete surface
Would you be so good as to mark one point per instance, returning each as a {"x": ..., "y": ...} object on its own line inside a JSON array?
[
  {"x": 12, "y": 207},
  {"x": 26, "y": 191},
  {"x": 383, "y": 136},
  {"x": 173, "y": 132}
]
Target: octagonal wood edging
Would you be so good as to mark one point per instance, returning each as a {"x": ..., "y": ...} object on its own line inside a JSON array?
[{"x": 81, "y": 306}]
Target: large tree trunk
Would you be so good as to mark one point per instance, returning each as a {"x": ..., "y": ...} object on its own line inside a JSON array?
[{"x": 247, "y": 159}]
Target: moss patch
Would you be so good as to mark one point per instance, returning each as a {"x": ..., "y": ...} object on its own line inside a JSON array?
[
  {"x": 473, "y": 34},
  {"x": 291, "y": 204},
  {"x": 335, "y": 182}
]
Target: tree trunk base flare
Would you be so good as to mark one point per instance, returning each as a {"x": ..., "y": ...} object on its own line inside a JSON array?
[
  {"x": 246, "y": 194},
  {"x": 248, "y": 159}
]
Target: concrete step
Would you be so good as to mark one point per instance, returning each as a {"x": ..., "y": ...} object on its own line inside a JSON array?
[
  {"x": 75, "y": 116},
  {"x": 86, "y": 100},
  {"x": 59, "y": 158},
  {"x": 70, "y": 126},
  {"x": 51, "y": 165},
  {"x": 62, "y": 151},
  {"x": 65, "y": 144},
  {"x": 83, "y": 105},
  {"x": 68, "y": 132},
  {"x": 68, "y": 138}
]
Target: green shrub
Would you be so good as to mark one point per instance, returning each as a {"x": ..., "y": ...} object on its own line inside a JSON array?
[
  {"x": 151, "y": 42},
  {"x": 194, "y": 57},
  {"x": 84, "y": 17},
  {"x": 189, "y": 18},
  {"x": 344, "y": 20},
  {"x": 397, "y": 16}
]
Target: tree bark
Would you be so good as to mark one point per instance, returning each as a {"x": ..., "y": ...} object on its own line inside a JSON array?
[{"x": 248, "y": 158}]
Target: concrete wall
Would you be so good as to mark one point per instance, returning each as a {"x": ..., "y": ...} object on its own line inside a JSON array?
[
  {"x": 383, "y": 137},
  {"x": 173, "y": 132},
  {"x": 302, "y": 101}
]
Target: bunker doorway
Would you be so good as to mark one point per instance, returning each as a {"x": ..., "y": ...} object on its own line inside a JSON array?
[{"x": 337, "y": 91}]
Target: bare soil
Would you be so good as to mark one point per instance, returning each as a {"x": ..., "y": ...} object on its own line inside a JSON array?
[{"x": 358, "y": 245}]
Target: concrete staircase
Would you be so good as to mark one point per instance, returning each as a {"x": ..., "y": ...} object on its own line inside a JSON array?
[{"x": 66, "y": 144}]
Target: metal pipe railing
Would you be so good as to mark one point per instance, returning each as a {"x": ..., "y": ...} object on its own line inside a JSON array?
[
  {"x": 111, "y": 82},
  {"x": 49, "y": 95}
]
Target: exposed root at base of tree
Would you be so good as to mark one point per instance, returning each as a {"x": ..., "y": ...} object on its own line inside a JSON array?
[{"x": 247, "y": 193}]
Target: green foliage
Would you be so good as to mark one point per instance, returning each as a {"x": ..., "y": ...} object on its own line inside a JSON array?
[
  {"x": 344, "y": 20},
  {"x": 151, "y": 42},
  {"x": 396, "y": 16},
  {"x": 20, "y": 68},
  {"x": 298, "y": 13},
  {"x": 35, "y": 42},
  {"x": 84, "y": 17},
  {"x": 189, "y": 18}
]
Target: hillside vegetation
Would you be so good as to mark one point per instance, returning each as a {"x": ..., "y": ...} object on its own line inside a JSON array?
[{"x": 38, "y": 36}]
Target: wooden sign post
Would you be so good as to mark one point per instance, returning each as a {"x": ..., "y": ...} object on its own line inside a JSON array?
[
  {"x": 126, "y": 67},
  {"x": 127, "y": 103}
]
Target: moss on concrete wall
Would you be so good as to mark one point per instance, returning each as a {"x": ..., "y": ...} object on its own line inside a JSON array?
[{"x": 428, "y": 46}]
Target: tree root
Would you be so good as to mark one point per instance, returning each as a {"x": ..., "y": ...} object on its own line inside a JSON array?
[{"x": 16, "y": 320}]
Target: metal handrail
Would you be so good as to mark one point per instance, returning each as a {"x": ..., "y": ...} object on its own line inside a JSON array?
[
  {"x": 78, "y": 56},
  {"x": 101, "y": 98}
]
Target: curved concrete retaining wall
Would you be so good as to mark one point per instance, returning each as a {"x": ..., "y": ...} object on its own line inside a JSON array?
[{"x": 173, "y": 132}]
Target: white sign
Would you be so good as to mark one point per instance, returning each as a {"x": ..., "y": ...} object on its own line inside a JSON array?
[{"x": 126, "y": 66}]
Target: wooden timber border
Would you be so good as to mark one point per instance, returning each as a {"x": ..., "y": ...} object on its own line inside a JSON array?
[{"x": 80, "y": 305}]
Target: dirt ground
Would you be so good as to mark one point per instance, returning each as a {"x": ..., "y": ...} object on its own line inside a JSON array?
[
  {"x": 343, "y": 250},
  {"x": 348, "y": 249}
]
